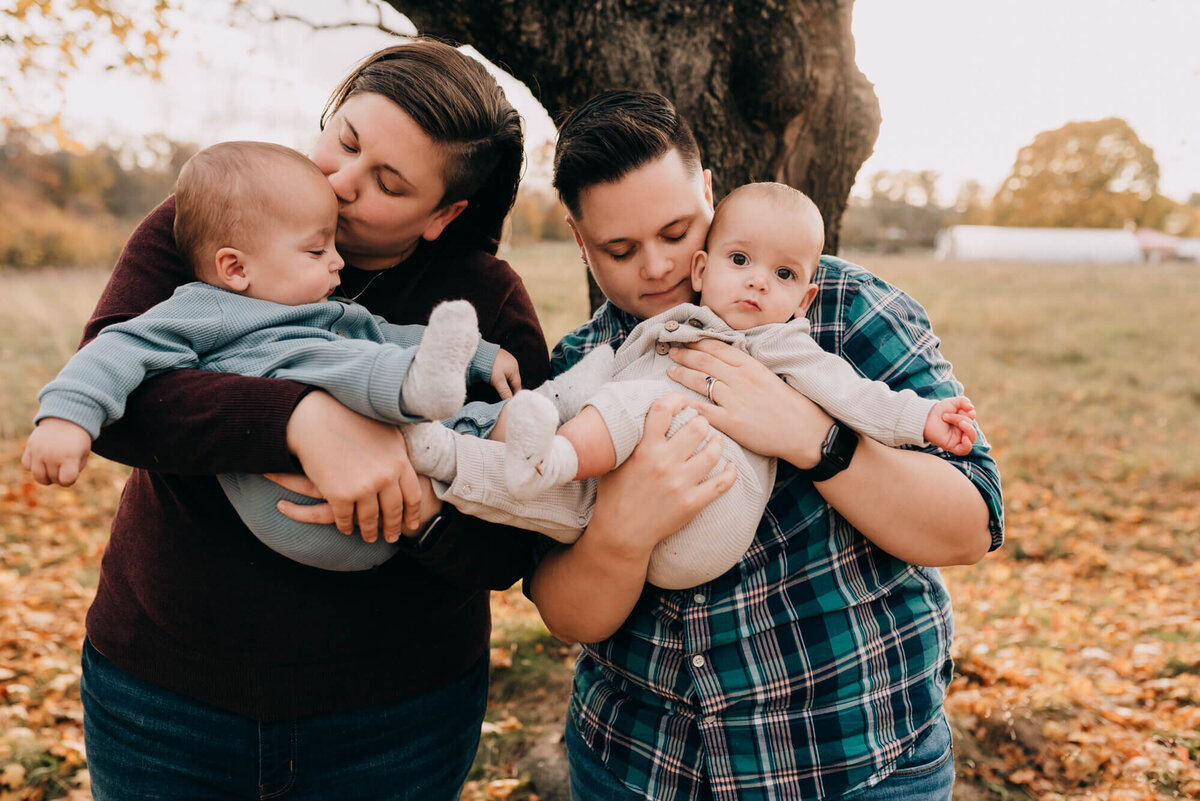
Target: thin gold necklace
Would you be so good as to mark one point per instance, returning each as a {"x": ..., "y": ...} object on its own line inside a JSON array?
[
  {"x": 372, "y": 280},
  {"x": 379, "y": 273}
]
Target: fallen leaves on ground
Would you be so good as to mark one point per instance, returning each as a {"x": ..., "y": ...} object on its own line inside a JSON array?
[
  {"x": 52, "y": 540},
  {"x": 1077, "y": 645}
]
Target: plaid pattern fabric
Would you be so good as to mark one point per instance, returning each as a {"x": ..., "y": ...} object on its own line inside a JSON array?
[{"x": 813, "y": 665}]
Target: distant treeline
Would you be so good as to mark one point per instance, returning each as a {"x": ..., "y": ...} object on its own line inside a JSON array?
[
  {"x": 1089, "y": 174},
  {"x": 77, "y": 208},
  {"x": 61, "y": 208},
  {"x": 903, "y": 211},
  {"x": 66, "y": 208}
]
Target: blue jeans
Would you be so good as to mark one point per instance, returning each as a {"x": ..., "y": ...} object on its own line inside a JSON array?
[
  {"x": 927, "y": 774},
  {"x": 146, "y": 742},
  {"x": 590, "y": 779}
]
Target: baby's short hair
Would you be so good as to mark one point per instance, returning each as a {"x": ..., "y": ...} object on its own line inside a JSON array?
[
  {"x": 224, "y": 193},
  {"x": 787, "y": 197}
]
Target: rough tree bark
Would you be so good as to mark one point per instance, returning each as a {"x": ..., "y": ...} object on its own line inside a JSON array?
[{"x": 770, "y": 86}]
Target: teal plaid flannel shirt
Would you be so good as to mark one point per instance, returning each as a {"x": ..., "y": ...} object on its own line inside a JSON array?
[{"x": 811, "y": 668}]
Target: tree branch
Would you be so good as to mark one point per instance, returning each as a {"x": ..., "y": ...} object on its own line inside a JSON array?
[{"x": 378, "y": 24}]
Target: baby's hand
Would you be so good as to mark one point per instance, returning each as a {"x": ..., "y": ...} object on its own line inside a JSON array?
[
  {"x": 951, "y": 425},
  {"x": 56, "y": 451},
  {"x": 506, "y": 374}
]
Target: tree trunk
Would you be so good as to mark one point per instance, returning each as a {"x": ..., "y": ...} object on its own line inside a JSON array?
[{"x": 770, "y": 87}]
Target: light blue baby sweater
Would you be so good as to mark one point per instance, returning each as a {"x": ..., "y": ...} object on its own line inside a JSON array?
[{"x": 337, "y": 345}]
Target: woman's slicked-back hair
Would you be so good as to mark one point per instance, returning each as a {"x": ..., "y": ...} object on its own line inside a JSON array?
[
  {"x": 614, "y": 133},
  {"x": 454, "y": 100}
]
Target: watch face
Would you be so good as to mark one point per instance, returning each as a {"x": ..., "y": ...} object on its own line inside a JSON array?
[
  {"x": 830, "y": 439},
  {"x": 840, "y": 444},
  {"x": 836, "y": 451},
  {"x": 847, "y": 441}
]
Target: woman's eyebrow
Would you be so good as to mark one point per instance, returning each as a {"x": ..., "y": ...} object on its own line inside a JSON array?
[{"x": 388, "y": 167}]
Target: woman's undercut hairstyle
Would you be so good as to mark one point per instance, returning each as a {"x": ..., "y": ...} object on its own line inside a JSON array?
[
  {"x": 454, "y": 100},
  {"x": 224, "y": 193},
  {"x": 613, "y": 134}
]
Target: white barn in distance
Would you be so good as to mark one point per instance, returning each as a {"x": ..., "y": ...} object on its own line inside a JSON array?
[
  {"x": 996, "y": 243},
  {"x": 1188, "y": 249}
]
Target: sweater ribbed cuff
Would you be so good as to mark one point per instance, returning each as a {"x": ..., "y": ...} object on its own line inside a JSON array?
[
  {"x": 480, "y": 369},
  {"x": 624, "y": 425}
]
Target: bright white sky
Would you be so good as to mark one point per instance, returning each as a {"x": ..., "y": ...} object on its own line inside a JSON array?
[{"x": 963, "y": 84}]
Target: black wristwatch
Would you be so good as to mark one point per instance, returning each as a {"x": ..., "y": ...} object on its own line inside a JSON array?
[{"x": 836, "y": 452}]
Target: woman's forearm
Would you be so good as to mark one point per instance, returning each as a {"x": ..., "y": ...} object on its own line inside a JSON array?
[
  {"x": 912, "y": 504},
  {"x": 195, "y": 422},
  {"x": 585, "y": 591}
]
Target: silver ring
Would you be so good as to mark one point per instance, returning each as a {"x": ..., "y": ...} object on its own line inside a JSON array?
[{"x": 710, "y": 381}]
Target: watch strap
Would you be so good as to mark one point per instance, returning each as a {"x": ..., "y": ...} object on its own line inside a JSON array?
[
  {"x": 836, "y": 451},
  {"x": 425, "y": 539}
]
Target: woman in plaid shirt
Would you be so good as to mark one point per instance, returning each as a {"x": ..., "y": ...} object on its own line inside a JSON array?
[{"x": 817, "y": 666}]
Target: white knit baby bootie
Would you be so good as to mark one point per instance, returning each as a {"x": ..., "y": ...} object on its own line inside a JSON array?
[
  {"x": 571, "y": 390},
  {"x": 431, "y": 450},
  {"x": 436, "y": 384},
  {"x": 536, "y": 458}
]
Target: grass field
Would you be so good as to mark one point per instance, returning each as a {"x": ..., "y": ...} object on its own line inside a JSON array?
[{"x": 1078, "y": 644}]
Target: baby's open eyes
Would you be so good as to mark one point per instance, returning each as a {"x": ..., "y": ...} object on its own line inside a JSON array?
[
  {"x": 740, "y": 259},
  {"x": 785, "y": 273}
]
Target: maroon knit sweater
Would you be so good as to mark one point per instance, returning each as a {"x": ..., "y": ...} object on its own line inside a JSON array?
[{"x": 189, "y": 599}]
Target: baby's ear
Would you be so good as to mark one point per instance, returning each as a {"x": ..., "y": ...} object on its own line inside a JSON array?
[
  {"x": 699, "y": 262},
  {"x": 810, "y": 295},
  {"x": 231, "y": 269}
]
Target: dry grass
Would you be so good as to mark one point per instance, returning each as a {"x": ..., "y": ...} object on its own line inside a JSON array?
[
  {"x": 555, "y": 276},
  {"x": 40, "y": 325},
  {"x": 1079, "y": 371}
]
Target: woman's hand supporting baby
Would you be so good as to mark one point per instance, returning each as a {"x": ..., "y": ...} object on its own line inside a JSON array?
[
  {"x": 587, "y": 590},
  {"x": 915, "y": 505},
  {"x": 750, "y": 403},
  {"x": 360, "y": 466}
]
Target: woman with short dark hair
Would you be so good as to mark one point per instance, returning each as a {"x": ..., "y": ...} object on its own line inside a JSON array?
[{"x": 213, "y": 666}]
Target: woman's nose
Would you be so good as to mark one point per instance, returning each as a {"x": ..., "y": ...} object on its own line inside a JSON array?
[
  {"x": 343, "y": 182},
  {"x": 658, "y": 263}
]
